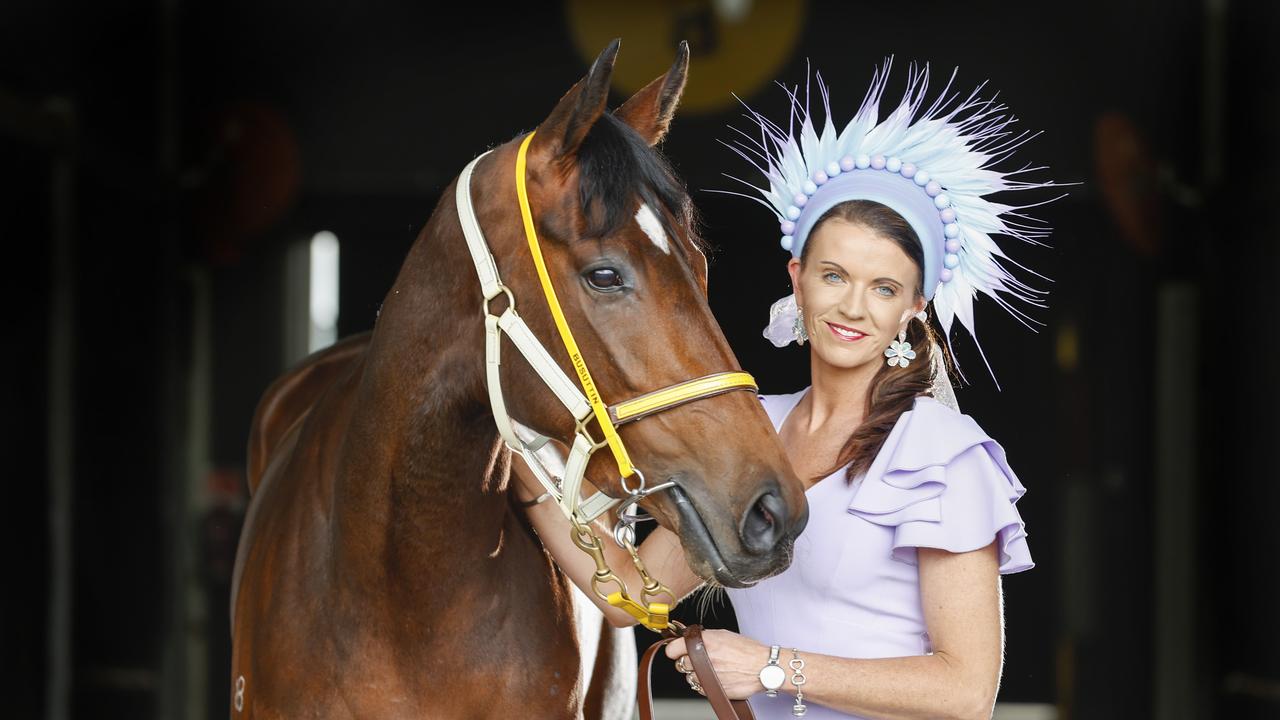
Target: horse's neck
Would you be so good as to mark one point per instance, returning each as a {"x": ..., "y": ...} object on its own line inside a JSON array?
[{"x": 418, "y": 483}]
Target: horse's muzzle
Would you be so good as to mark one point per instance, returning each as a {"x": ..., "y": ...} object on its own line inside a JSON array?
[{"x": 764, "y": 538}]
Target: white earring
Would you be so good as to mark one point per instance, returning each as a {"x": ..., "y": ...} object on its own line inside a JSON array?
[
  {"x": 899, "y": 351},
  {"x": 802, "y": 334}
]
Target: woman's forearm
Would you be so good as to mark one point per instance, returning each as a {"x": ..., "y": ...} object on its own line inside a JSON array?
[{"x": 903, "y": 688}]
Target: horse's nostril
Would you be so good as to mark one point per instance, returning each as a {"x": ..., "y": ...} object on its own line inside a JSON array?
[
  {"x": 763, "y": 526},
  {"x": 765, "y": 515}
]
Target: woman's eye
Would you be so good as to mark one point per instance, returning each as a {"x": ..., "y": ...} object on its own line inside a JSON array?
[
  {"x": 886, "y": 291},
  {"x": 832, "y": 277},
  {"x": 604, "y": 278}
]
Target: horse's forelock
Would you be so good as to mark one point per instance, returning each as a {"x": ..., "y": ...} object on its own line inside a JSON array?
[{"x": 615, "y": 168}]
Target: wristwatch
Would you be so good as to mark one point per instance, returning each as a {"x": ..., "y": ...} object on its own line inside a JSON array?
[{"x": 772, "y": 675}]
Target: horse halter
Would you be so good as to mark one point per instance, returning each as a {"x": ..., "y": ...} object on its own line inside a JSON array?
[{"x": 566, "y": 490}]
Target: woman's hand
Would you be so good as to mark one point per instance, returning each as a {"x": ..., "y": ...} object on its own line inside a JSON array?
[{"x": 737, "y": 661}]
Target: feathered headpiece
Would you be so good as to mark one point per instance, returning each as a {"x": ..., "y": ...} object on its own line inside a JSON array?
[{"x": 932, "y": 166}]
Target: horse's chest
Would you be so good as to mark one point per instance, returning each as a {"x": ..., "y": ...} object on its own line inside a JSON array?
[
  {"x": 480, "y": 660},
  {"x": 512, "y": 663},
  {"x": 517, "y": 648}
]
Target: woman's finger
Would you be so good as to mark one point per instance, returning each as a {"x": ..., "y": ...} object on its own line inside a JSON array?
[{"x": 675, "y": 649}]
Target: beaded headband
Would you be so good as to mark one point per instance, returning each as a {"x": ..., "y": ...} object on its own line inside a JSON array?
[{"x": 932, "y": 166}]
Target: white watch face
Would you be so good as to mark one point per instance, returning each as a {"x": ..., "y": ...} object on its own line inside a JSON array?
[{"x": 772, "y": 677}]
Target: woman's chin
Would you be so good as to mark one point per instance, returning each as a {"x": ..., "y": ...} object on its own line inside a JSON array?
[{"x": 843, "y": 358}]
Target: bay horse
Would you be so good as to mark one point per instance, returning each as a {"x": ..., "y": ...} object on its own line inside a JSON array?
[{"x": 383, "y": 571}]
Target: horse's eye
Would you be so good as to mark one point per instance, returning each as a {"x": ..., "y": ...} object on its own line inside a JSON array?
[{"x": 604, "y": 279}]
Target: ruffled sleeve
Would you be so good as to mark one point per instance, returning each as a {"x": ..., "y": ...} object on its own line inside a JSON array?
[{"x": 939, "y": 481}]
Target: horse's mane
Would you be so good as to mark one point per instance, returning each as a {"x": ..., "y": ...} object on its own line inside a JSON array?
[{"x": 614, "y": 165}]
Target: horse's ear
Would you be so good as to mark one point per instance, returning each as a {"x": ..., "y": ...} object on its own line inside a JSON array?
[
  {"x": 650, "y": 110},
  {"x": 564, "y": 129}
]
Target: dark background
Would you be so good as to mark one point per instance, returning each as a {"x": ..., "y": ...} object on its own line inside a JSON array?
[{"x": 158, "y": 159}]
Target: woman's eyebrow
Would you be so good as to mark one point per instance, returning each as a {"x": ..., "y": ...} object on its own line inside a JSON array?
[
  {"x": 888, "y": 280},
  {"x": 836, "y": 266}
]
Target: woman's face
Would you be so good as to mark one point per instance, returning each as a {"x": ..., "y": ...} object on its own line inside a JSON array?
[{"x": 857, "y": 291}]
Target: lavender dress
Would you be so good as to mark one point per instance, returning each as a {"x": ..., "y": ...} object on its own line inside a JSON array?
[{"x": 853, "y": 589}]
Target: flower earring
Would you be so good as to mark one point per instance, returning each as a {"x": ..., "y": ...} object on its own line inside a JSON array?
[
  {"x": 899, "y": 351},
  {"x": 802, "y": 334}
]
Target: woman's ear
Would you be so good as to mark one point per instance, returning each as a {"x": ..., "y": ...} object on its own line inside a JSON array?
[
  {"x": 904, "y": 321},
  {"x": 916, "y": 308},
  {"x": 793, "y": 269}
]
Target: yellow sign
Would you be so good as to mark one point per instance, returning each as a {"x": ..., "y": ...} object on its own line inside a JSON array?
[{"x": 735, "y": 46}]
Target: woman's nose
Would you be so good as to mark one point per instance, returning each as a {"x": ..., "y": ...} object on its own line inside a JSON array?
[{"x": 852, "y": 304}]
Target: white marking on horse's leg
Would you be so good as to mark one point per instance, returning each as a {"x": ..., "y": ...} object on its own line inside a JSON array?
[
  {"x": 587, "y": 618},
  {"x": 652, "y": 227}
]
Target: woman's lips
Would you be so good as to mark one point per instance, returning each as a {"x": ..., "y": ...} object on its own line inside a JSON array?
[{"x": 845, "y": 334}]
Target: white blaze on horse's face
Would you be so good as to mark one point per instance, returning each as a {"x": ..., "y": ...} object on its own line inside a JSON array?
[{"x": 652, "y": 227}]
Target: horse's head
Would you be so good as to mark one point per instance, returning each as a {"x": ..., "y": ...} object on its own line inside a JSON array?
[{"x": 617, "y": 232}]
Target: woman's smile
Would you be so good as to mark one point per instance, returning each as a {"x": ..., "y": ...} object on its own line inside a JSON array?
[{"x": 844, "y": 333}]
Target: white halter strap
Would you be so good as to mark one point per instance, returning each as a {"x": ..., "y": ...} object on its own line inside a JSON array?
[{"x": 565, "y": 489}]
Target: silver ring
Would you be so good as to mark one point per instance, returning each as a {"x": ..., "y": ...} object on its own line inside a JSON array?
[
  {"x": 681, "y": 666},
  {"x": 624, "y": 534},
  {"x": 639, "y": 490}
]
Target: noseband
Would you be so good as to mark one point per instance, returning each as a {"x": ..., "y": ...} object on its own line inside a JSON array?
[{"x": 581, "y": 402}]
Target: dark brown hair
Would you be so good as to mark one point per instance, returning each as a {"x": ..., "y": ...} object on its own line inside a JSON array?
[{"x": 893, "y": 390}]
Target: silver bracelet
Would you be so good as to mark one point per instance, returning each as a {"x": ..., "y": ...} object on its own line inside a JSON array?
[{"x": 798, "y": 679}]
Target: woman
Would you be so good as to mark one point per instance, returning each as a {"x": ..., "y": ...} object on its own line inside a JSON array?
[{"x": 892, "y": 606}]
